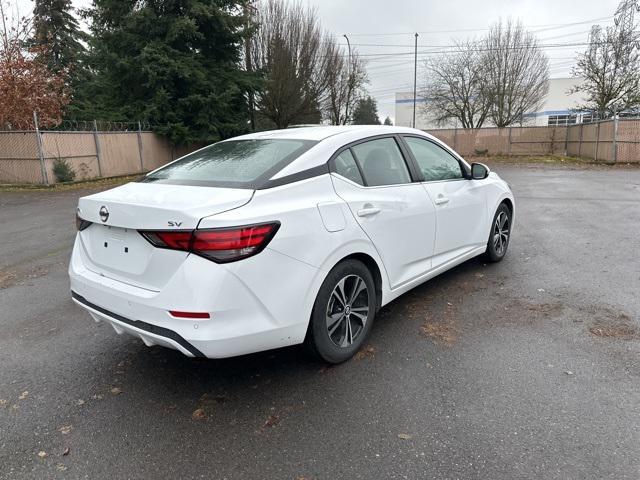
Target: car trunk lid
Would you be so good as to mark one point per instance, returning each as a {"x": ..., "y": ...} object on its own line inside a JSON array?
[{"x": 113, "y": 247}]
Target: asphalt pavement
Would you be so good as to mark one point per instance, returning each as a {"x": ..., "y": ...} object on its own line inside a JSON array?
[{"x": 525, "y": 369}]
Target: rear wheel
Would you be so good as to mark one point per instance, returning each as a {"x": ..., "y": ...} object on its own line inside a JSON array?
[
  {"x": 500, "y": 234},
  {"x": 343, "y": 312}
]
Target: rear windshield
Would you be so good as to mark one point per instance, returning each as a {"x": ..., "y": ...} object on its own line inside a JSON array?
[{"x": 232, "y": 164}]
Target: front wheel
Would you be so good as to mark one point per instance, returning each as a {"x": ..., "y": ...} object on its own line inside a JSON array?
[
  {"x": 343, "y": 312},
  {"x": 500, "y": 234}
]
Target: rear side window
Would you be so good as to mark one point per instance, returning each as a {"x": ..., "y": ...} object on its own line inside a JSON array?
[
  {"x": 233, "y": 164},
  {"x": 345, "y": 165},
  {"x": 434, "y": 162},
  {"x": 381, "y": 162}
]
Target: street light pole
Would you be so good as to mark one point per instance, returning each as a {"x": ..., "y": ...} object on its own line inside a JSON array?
[
  {"x": 415, "y": 79},
  {"x": 349, "y": 73}
]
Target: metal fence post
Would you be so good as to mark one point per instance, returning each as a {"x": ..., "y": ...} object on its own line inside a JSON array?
[
  {"x": 140, "y": 146},
  {"x": 455, "y": 138},
  {"x": 97, "y": 142},
  {"x": 615, "y": 138},
  {"x": 580, "y": 141},
  {"x": 566, "y": 140},
  {"x": 43, "y": 167},
  {"x": 597, "y": 140},
  {"x": 509, "y": 146}
]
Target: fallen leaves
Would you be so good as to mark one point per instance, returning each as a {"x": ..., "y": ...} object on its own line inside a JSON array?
[
  {"x": 619, "y": 327},
  {"x": 271, "y": 421},
  {"x": 65, "y": 429},
  {"x": 66, "y": 452},
  {"x": 42, "y": 454},
  {"x": 367, "y": 351},
  {"x": 405, "y": 436},
  {"x": 199, "y": 414},
  {"x": 115, "y": 391},
  {"x": 23, "y": 395}
]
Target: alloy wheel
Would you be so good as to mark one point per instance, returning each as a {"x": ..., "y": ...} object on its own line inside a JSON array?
[
  {"x": 501, "y": 233},
  {"x": 347, "y": 310}
]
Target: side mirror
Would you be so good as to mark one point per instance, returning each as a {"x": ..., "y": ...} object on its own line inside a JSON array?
[{"x": 479, "y": 171}]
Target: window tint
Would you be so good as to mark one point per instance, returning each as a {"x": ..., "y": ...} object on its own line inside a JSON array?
[
  {"x": 345, "y": 165},
  {"x": 381, "y": 162},
  {"x": 236, "y": 163},
  {"x": 434, "y": 162}
]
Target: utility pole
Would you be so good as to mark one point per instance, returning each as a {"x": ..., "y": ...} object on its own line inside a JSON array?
[
  {"x": 415, "y": 79},
  {"x": 249, "y": 67},
  {"x": 349, "y": 73}
]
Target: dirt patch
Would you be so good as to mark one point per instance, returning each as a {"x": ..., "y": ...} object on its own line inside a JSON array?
[
  {"x": 11, "y": 278},
  {"x": 546, "y": 309},
  {"x": 621, "y": 326},
  {"x": 440, "y": 333},
  {"x": 445, "y": 331},
  {"x": 7, "y": 279}
]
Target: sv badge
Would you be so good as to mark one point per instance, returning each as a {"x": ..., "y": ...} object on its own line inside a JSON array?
[{"x": 174, "y": 224}]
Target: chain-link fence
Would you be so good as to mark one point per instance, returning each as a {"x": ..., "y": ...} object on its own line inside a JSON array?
[
  {"x": 28, "y": 156},
  {"x": 611, "y": 141}
]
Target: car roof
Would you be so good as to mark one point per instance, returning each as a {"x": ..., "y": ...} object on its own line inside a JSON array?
[{"x": 322, "y": 132}]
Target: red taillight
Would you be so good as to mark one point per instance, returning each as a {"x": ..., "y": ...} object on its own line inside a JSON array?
[
  {"x": 194, "y": 315},
  {"x": 219, "y": 244},
  {"x": 173, "y": 240}
]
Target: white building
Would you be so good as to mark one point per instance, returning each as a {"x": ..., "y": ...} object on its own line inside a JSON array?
[{"x": 556, "y": 109}]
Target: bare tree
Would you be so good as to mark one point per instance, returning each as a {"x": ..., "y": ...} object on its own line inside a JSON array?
[
  {"x": 453, "y": 87},
  {"x": 290, "y": 49},
  {"x": 610, "y": 70},
  {"x": 515, "y": 71},
  {"x": 346, "y": 77}
]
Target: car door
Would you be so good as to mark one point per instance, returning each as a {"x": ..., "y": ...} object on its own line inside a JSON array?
[
  {"x": 394, "y": 211},
  {"x": 460, "y": 203}
]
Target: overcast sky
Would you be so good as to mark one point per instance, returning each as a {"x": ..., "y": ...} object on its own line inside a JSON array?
[{"x": 383, "y": 31}]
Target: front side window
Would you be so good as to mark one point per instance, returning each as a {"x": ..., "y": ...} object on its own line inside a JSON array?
[
  {"x": 232, "y": 164},
  {"x": 381, "y": 162},
  {"x": 434, "y": 162}
]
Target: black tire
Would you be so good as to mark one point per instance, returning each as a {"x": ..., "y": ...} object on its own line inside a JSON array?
[
  {"x": 500, "y": 234},
  {"x": 336, "y": 346}
]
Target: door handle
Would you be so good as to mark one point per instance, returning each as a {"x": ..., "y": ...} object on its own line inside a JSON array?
[
  {"x": 441, "y": 200},
  {"x": 368, "y": 211}
]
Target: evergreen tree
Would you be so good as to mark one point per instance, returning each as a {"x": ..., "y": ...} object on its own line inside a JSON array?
[
  {"x": 174, "y": 64},
  {"x": 387, "y": 121},
  {"x": 55, "y": 26},
  {"x": 366, "y": 112}
]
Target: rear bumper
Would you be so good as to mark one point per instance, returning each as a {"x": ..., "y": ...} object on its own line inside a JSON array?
[
  {"x": 150, "y": 334},
  {"x": 259, "y": 303}
]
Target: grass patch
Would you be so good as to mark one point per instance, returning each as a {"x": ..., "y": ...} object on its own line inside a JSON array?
[
  {"x": 538, "y": 159},
  {"x": 79, "y": 185}
]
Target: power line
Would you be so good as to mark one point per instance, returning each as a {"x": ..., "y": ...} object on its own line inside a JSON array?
[
  {"x": 451, "y": 49},
  {"x": 543, "y": 28}
]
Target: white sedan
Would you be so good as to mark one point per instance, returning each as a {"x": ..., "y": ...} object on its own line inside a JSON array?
[{"x": 283, "y": 237}]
